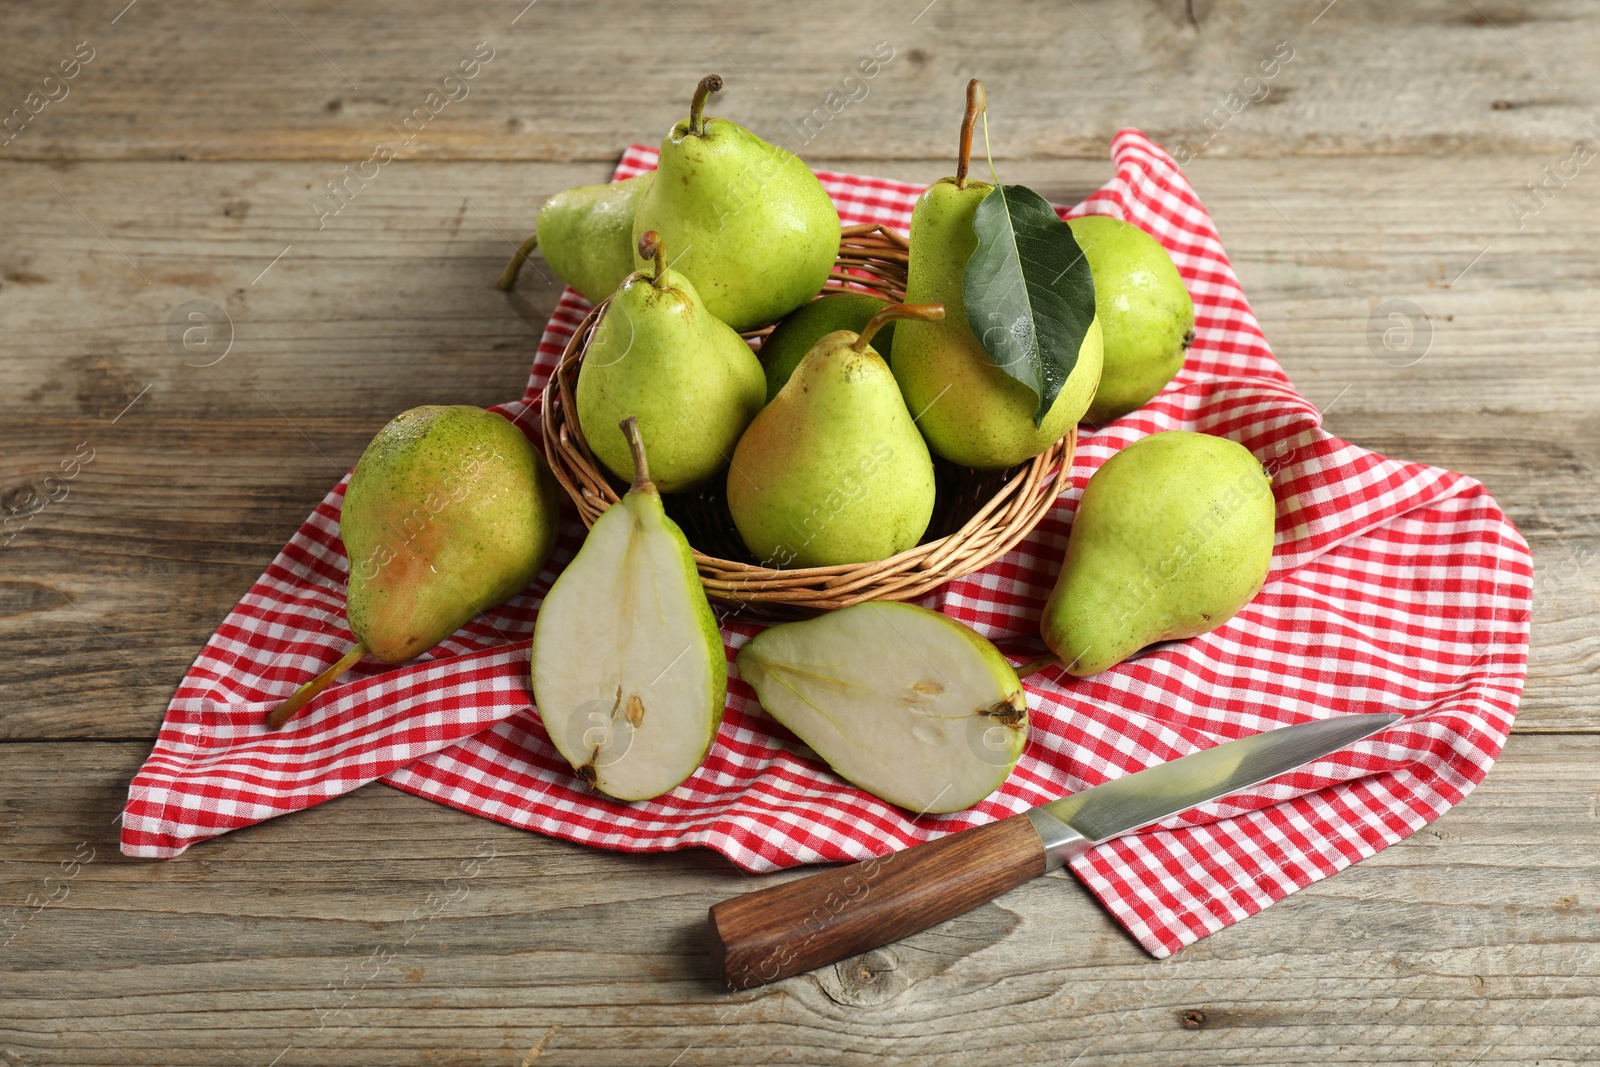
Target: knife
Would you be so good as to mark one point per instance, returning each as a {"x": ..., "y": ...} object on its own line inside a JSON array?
[{"x": 773, "y": 933}]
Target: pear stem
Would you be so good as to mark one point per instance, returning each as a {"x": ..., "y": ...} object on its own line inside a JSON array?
[
  {"x": 650, "y": 248},
  {"x": 921, "y": 312},
  {"x": 711, "y": 83},
  {"x": 508, "y": 279},
  {"x": 306, "y": 693},
  {"x": 641, "y": 466},
  {"x": 975, "y": 105},
  {"x": 1035, "y": 666}
]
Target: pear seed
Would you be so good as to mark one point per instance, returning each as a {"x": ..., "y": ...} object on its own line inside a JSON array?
[{"x": 635, "y": 711}]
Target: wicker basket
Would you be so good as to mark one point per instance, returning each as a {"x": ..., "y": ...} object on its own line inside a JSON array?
[{"x": 978, "y": 515}]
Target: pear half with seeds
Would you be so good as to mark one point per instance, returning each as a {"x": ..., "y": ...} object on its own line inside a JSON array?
[
  {"x": 629, "y": 673},
  {"x": 910, "y": 705}
]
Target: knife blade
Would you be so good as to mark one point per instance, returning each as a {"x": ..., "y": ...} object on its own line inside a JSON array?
[
  {"x": 1074, "y": 824},
  {"x": 802, "y": 924}
]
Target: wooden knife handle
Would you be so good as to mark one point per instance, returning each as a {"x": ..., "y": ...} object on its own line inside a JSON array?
[{"x": 773, "y": 933}]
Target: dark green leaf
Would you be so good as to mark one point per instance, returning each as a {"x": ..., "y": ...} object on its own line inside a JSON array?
[{"x": 1029, "y": 294}]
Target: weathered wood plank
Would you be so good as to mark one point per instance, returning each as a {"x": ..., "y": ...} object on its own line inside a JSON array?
[
  {"x": 209, "y": 471},
  {"x": 332, "y": 82},
  {"x": 353, "y": 933}
]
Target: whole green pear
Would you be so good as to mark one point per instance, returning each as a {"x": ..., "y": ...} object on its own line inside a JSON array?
[
  {"x": 792, "y": 338},
  {"x": 747, "y": 221},
  {"x": 1172, "y": 538},
  {"x": 586, "y": 235},
  {"x": 972, "y": 412},
  {"x": 1145, "y": 313},
  {"x": 833, "y": 470},
  {"x": 449, "y": 512},
  {"x": 658, "y": 354}
]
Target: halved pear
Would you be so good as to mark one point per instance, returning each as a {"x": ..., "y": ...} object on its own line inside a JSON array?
[
  {"x": 629, "y": 673},
  {"x": 910, "y": 705}
]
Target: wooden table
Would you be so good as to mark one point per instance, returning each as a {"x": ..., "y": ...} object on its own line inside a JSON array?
[{"x": 1386, "y": 162}]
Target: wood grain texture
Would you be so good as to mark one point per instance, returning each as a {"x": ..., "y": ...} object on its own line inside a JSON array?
[
  {"x": 320, "y": 81},
  {"x": 1384, "y": 162},
  {"x": 382, "y": 928},
  {"x": 768, "y": 934}
]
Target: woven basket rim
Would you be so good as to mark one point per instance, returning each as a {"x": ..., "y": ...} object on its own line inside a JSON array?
[{"x": 871, "y": 258}]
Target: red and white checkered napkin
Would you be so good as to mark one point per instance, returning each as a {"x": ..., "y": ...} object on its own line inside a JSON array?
[{"x": 1394, "y": 587}]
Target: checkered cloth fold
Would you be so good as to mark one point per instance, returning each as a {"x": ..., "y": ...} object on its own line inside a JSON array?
[{"x": 1394, "y": 587}]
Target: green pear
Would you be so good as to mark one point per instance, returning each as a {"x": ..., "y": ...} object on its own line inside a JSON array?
[
  {"x": 1172, "y": 538},
  {"x": 586, "y": 234},
  {"x": 1145, "y": 313},
  {"x": 972, "y": 412},
  {"x": 792, "y": 338},
  {"x": 658, "y": 354},
  {"x": 749, "y": 223},
  {"x": 629, "y": 672},
  {"x": 833, "y": 471},
  {"x": 910, "y": 705},
  {"x": 449, "y": 512}
]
